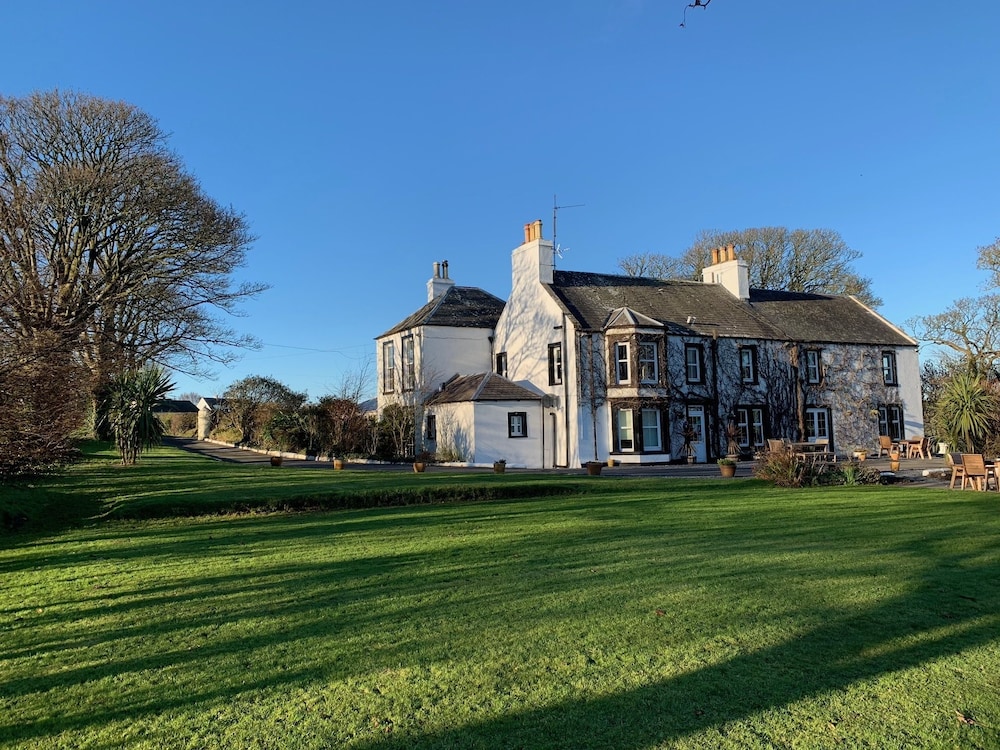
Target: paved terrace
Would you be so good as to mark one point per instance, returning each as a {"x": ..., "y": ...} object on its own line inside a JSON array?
[{"x": 910, "y": 469}]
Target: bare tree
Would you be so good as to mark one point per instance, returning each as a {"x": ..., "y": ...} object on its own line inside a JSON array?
[
  {"x": 107, "y": 243},
  {"x": 796, "y": 260}
]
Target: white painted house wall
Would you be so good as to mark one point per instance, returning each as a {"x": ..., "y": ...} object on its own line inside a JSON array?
[{"x": 531, "y": 321}]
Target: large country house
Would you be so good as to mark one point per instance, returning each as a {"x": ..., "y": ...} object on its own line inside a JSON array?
[{"x": 580, "y": 366}]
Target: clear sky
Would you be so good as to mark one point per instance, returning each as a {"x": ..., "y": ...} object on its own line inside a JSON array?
[{"x": 366, "y": 140}]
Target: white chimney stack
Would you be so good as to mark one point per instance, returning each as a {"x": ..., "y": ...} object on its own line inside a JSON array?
[
  {"x": 439, "y": 283},
  {"x": 729, "y": 271}
]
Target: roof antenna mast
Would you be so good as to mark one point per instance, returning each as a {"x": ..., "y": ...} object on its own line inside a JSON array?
[{"x": 555, "y": 212}]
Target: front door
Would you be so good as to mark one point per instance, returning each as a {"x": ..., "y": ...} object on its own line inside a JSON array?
[{"x": 696, "y": 420}]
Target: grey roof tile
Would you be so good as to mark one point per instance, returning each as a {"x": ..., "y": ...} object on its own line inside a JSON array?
[
  {"x": 694, "y": 308},
  {"x": 486, "y": 386},
  {"x": 459, "y": 307}
]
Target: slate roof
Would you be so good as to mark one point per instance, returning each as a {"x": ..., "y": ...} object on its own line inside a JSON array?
[
  {"x": 694, "y": 308},
  {"x": 459, "y": 306},
  {"x": 484, "y": 386},
  {"x": 174, "y": 406}
]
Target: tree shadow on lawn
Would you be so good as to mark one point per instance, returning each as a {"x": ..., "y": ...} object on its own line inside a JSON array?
[
  {"x": 941, "y": 615},
  {"x": 831, "y": 657}
]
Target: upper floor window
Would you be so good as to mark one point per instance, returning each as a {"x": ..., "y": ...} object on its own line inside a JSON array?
[
  {"x": 501, "y": 368},
  {"x": 814, "y": 366},
  {"x": 748, "y": 364},
  {"x": 388, "y": 367},
  {"x": 622, "y": 374},
  {"x": 409, "y": 370},
  {"x": 649, "y": 369},
  {"x": 555, "y": 364},
  {"x": 694, "y": 370},
  {"x": 431, "y": 427},
  {"x": 889, "y": 368},
  {"x": 517, "y": 424}
]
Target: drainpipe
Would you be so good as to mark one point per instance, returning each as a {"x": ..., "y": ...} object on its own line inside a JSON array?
[
  {"x": 715, "y": 390},
  {"x": 565, "y": 384}
]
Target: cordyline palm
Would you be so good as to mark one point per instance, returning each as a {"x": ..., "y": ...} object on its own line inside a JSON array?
[
  {"x": 967, "y": 411},
  {"x": 134, "y": 425}
]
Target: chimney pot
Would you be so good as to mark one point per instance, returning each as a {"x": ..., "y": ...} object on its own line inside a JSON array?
[
  {"x": 444, "y": 269},
  {"x": 437, "y": 270},
  {"x": 715, "y": 256}
]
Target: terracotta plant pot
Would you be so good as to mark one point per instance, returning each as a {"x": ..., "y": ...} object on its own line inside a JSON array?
[
  {"x": 499, "y": 467},
  {"x": 727, "y": 470},
  {"x": 594, "y": 468},
  {"x": 419, "y": 466},
  {"x": 275, "y": 460},
  {"x": 338, "y": 464}
]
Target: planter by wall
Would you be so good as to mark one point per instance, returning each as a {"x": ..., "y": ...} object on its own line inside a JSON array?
[
  {"x": 499, "y": 467},
  {"x": 594, "y": 468},
  {"x": 727, "y": 470},
  {"x": 276, "y": 460},
  {"x": 338, "y": 464},
  {"x": 419, "y": 466}
]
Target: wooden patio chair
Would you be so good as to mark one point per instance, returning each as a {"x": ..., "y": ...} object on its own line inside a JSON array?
[
  {"x": 976, "y": 471},
  {"x": 776, "y": 446},
  {"x": 957, "y": 470},
  {"x": 919, "y": 449},
  {"x": 885, "y": 445}
]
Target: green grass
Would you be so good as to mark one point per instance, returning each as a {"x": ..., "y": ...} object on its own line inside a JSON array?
[{"x": 629, "y": 614}]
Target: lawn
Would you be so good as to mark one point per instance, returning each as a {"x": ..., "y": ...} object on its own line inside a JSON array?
[{"x": 619, "y": 614}]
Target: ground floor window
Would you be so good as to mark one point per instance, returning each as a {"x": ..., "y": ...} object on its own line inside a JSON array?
[
  {"x": 817, "y": 423},
  {"x": 651, "y": 430},
  {"x": 890, "y": 421},
  {"x": 626, "y": 433},
  {"x": 638, "y": 429},
  {"x": 750, "y": 426},
  {"x": 517, "y": 424}
]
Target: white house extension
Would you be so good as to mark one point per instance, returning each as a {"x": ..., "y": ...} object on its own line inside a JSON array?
[{"x": 581, "y": 366}]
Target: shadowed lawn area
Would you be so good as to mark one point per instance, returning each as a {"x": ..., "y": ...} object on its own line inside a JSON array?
[{"x": 629, "y": 614}]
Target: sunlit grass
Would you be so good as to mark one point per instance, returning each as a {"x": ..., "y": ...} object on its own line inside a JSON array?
[{"x": 630, "y": 614}]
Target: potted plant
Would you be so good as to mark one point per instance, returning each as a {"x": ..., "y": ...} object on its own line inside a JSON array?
[
  {"x": 500, "y": 466},
  {"x": 420, "y": 462},
  {"x": 732, "y": 440},
  {"x": 338, "y": 464},
  {"x": 594, "y": 468},
  {"x": 894, "y": 460},
  {"x": 860, "y": 453},
  {"x": 689, "y": 435},
  {"x": 275, "y": 460},
  {"x": 727, "y": 467}
]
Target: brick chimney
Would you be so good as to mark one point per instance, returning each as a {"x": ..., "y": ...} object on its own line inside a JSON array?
[
  {"x": 729, "y": 271},
  {"x": 439, "y": 283}
]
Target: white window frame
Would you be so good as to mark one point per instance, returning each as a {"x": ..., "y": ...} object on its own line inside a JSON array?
[
  {"x": 625, "y": 429},
  {"x": 555, "y": 364},
  {"x": 814, "y": 366},
  {"x": 890, "y": 375},
  {"x": 649, "y": 364},
  {"x": 409, "y": 364},
  {"x": 651, "y": 424},
  {"x": 817, "y": 423},
  {"x": 748, "y": 364},
  {"x": 517, "y": 424},
  {"x": 388, "y": 366},
  {"x": 694, "y": 363},
  {"x": 623, "y": 369}
]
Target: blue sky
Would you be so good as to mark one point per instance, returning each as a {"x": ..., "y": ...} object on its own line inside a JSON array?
[{"x": 364, "y": 141}]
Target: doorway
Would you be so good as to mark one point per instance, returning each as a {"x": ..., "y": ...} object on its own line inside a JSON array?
[{"x": 696, "y": 420}]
